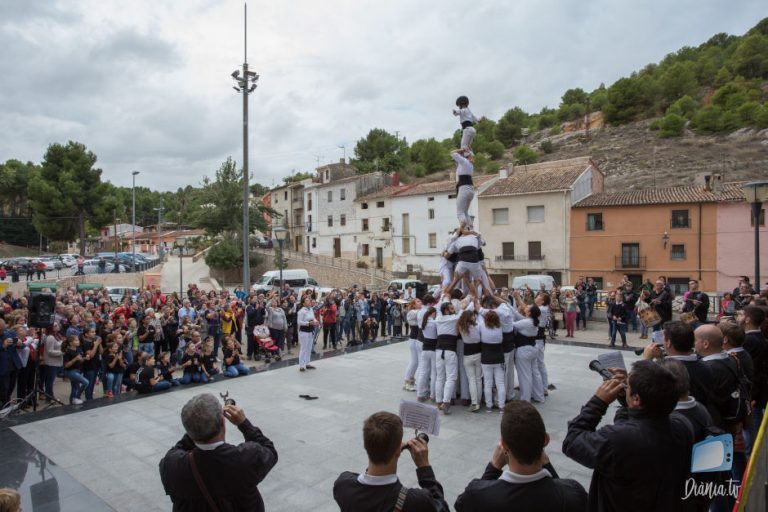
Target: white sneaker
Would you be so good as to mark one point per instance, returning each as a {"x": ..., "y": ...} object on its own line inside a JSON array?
[{"x": 77, "y": 401}]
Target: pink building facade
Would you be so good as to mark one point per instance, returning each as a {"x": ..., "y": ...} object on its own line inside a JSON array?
[{"x": 736, "y": 245}]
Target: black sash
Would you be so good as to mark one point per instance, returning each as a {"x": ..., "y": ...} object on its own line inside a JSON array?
[
  {"x": 429, "y": 344},
  {"x": 471, "y": 349},
  {"x": 469, "y": 254},
  {"x": 464, "y": 180},
  {"x": 491, "y": 353},
  {"x": 447, "y": 342},
  {"x": 508, "y": 341},
  {"x": 467, "y": 124},
  {"x": 524, "y": 341},
  {"x": 305, "y": 328},
  {"x": 414, "y": 332},
  {"x": 541, "y": 335}
]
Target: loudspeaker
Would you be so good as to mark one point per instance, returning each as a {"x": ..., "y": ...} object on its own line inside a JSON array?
[
  {"x": 421, "y": 290},
  {"x": 41, "y": 311}
]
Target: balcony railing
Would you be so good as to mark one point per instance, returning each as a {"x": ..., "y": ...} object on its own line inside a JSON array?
[
  {"x": 520, "y": 257},
  {"x": 630, "y": 263}
]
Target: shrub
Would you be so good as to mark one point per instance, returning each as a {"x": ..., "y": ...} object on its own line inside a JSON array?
[
  {"x": 655, "y": 125},
  {"x": 495, "y": 149},
  {"x": 525, "y": 155},
  {"x": 672, "y": 125},
  {"x": 224, "y": 255},
  {"x": 362, "y": 264},
  {"x": 709, "y": 119},
  {"x": 556, "y": 130},
  {"x": 547, "y": 146},
  {"x": 685, "y": 106}
]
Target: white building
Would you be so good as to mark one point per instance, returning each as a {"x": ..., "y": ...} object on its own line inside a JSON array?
[
  {"x": 422, "y": 218},
  {"x": 525, "y": 217},
  {"x": 333, "y": 220}
]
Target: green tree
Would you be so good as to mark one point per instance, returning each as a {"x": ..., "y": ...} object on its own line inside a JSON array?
[
  {"x": 709, "y": 119},
  {"x": 224, "y": 255},
  {"x": 677, "y": 81},
  {"x": 672, "y": 125},
  {"x": 730, "y": 96},
  {"x": 380, "y": 150},
  {"x": 495, "y": 150},
  {"x": 685, "y": 107},
  {"x": 572, "y": 96},
  {"x": 598, "y": 98},
  {"x": 66, "y": 193},
  {"x": 509, "y": 128},
  {"x": 14, "y": 182},
  {"x": 625, "y": 101},
  {"x": 431, "y": 154},
  {"x": 750, "y": 59},
  {"x": 525, "y": 155},
  {"x": 722, "y": 77},
  {"x": 294, "y": 178}
]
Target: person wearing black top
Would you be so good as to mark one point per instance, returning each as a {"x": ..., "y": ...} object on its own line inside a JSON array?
[
  {"x": 618, "y": 314},
  {"x": 378, "y": 489},
  {"x": 530, "y": 483},
  {"x": 203, "y": 472},
  {"x": 660, "y": 299},
  {"x": 255, "y": 314},
  {"x": 630, "y": 297},
  {"x": 757, "y": 347},
  {"x": 192, "y": 365},
  {"x": 165, "y": 369},
  {"x": 147, "y": 379},
  {"x": 697, "y": 302},
  {"x": 90, "y": 345},
  {"x": 639, "y": 463}
]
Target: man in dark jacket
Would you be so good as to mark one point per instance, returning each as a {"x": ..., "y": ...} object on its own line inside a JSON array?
[
  {"x": 697, "y": 302},
  {"x": 757, "y": 347},
  {"x": 255, "y": 313},
  {"x": 661, "y": 300},
  {"x": 378, "y": 489},
  {"x": 640, "y": 462},
  {"x": 530, "y": 483},
  {"x": 203, "y": 472}
]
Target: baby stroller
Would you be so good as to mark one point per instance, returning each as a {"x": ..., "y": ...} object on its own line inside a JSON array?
[{"x": 266, "y": 346}]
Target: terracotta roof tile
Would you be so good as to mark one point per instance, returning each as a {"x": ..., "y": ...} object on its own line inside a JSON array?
[
  {"x": 442, "y": 187},
  {"x": 543, "y": 177},
  {"x": 669, "y": 195}
]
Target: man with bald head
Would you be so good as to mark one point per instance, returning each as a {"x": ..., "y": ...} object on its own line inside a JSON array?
[{"x": 727, "y": 407}]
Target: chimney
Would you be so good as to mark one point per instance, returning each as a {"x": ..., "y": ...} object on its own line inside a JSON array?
[
  {"x": 395, "y": 179},
  {"x": 342, "y": 162},
  {"x": 708, "y": 183},
  {"x": 503, "y": 173}
]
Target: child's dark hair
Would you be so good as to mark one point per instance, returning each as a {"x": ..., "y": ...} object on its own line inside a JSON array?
[
  {"x": 462, "y": 102},
  {"x": 534, "y": 312},
  {"x": 429, "y": 312}
]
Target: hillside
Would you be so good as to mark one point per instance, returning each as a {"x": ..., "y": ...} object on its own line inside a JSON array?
[{"x": 632, "y": 156}]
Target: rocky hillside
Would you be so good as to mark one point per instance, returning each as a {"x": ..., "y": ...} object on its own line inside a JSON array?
[{"x": 632, "y": 156}]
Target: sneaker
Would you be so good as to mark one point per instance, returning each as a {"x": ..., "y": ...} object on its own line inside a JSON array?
[
  {"x": 551, "y": 387},
  {"x": 421, "y": 399},
  {"x": 109, "y": 394},
  {"x": 76, "y": 401},
  {"x": 446, "y": 409},
  {"x": 474, "y": 408},
  {"x": 489, "y": 409},
  {"x": 310, "y": 367},
  {"x": 302, "y": 370}
]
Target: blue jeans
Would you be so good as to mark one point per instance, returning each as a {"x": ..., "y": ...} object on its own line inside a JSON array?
[
  {"x": 582, "y": 315},
  {"x": 91, "y": 376},
  {"x": 161, "y": 386},
  {"x": 77, "y": 383},
  {"x": 632, "y": 319},
  {"x": 114, "y": 382},
  {"x": 621, "y": 328},
  {"x": 49, "y": 375},
  {"x": 147, "y": 348},
  {"x": 591, "y": 306},
  {"x": 611, "y": 328},
  {"x": 643, "y": 329},
  {"x": 190, "y": 377},
  {"x": 235, "y": 370},
  {"x": 128, "y": 355}
]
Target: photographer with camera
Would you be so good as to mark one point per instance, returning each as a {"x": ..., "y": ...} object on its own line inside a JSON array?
[
  {"x": 639, "y": 463},
  {"x": 203, "y": 472},
  {"x": 378, "y": 489},
  {"x": 530, "y": 483}
]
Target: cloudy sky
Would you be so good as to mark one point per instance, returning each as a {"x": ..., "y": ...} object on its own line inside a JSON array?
[{"x": 145, "y": 83}]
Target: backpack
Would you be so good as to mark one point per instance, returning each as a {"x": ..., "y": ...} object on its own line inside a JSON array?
[{"x": 738, "y": 405}]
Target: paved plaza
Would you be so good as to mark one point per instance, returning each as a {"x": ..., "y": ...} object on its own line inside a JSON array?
[{"x": 113, "y": 451}]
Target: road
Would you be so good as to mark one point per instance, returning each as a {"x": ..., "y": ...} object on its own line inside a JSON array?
[{"x": 191, "y": 272}]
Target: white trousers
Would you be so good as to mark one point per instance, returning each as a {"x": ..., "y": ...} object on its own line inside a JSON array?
[
  {"x": 509, "y": 374},
  {"x": 415, "y": 348},
  {"x": 475, "y": 271},
  {"x": 425, "y": 375},
  {"x": 446, "y": 275},
  {"x": 540, "y": 374},
  {"x": 447, "y": 366},
  {"x": 474, "y": 371},
  {"x": 525, "y": 360},
  {"x": 467, "y": 136},
  {"x": 305, "y": 348},
  {"x": 464, "y": 197},
  {"x": 463, "y": 382},
  {"x": 494, "y": 374}
]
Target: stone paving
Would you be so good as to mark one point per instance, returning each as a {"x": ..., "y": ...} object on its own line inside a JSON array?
[{"x": 114, "y": 450}]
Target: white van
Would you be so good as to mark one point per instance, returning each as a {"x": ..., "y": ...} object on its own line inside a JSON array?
[
  {"x": 534, "y": 281},
  {"x": 297, "y": 278}
]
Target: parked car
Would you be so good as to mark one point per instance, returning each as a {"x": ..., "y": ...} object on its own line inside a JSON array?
[
  {"x": 117, "y": 293},
  {"x": 20, "y": 264},
  {"x": 52, "y": 263},
  {"x": 534, "y": 281},
  {"x": 68, "y": 261},
  {"x": 92, "y": 267},
  {"x": 297, "y": 278}
]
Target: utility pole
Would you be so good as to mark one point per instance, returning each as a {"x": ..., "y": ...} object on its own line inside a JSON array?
[
  {"x": 586, "y": 121},
  {"x": 246, "y": 84},
  {"x": 160, "y": 249}
]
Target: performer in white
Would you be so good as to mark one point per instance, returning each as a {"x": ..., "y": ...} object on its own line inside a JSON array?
[
  {"x": 467, "y": 120},
  {"x": 306, "y": 321},
  {"x": 414, "y": 345},
  {"x": 465, "y": 189}
]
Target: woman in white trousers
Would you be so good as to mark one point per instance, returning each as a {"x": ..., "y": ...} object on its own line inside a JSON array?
[
  {"x": 427, "y": 371},
  {"x": 492, "y": 358},
  {"x": 307, "y": 323},
  {"x": 470, "y": 337},
  {"x": 414, "y": 345}
]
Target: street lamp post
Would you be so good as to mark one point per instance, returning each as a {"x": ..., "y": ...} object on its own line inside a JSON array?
[
  {"x": 280, "y": 234},
  {"x": 181, "y": 269},
  {"x": 133, "y": 223},
  {"x": 246, "y": 84},
  {"x": 756, "y": 193},
  {"x": 159, "y": 230}
]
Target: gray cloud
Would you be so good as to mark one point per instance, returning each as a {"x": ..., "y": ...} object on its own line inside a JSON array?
[{"x": 147, "y": 87}]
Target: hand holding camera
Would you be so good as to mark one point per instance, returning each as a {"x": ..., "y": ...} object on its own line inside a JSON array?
[
  {"x": 611, "y": 389},
  {"x": 419, "y": 448},
  {"x": 234, "y": 414}
]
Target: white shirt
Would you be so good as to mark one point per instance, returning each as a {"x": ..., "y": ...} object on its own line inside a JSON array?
[
  {"x": 446, "y": 324},
  {"x": 472, "y": 336},
  {"x": 430, "y": 330},
  {"x": 465, "y": 115},
  {"x": 507, "y": 315},
  {"x": 713, "y": 357},
  {"x": 210, "y": 446},
  {"x": 735, "y": 350},
  {"x": 487, "y": 335},
  {"x": 305, "y": 316},
  {"x": 413, "y": 317},
  {"x": 515, "y": 478},
  {"x": 526, "y": 327},
  {"x": 366, "y": 479},
  {"x": 687, "y": 404},
  {"x": 687, "y": 357},
  {"x": 463, "y": 166},
  {"x": 545, "y": 317}
]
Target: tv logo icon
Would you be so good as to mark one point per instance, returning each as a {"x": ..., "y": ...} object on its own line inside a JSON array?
[{"x": 712, "y": 454}]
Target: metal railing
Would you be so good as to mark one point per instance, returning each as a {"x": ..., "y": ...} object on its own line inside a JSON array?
[{"x": 520, "y": 257}]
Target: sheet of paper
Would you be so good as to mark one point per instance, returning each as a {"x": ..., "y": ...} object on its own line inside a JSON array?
[
  {"x": 420, "y": 416},
  {"x": 612, "y": 359}
]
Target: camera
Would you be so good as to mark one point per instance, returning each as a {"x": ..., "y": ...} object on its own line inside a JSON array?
[{"x": 421, "y": 435}]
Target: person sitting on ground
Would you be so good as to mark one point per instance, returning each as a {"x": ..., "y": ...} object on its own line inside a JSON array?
[
  {"x": 147, "y": 379},
  {"x": 203, "y": 472},
  {"x": 530, "y": 483},
  {"x": 378, "y": 489}
]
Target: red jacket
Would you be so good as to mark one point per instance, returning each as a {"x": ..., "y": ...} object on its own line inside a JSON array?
[{"x": 328, "y": 313}]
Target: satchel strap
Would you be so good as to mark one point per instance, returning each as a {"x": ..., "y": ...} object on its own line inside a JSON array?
[
  {"x": 200, "y": 483},
  {"x": 401, "y": 498}
]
